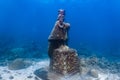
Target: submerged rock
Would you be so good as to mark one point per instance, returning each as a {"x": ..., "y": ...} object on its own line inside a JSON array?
[
  {"x": 42, "y": 73},
  {"x": 84, "y": 70},
  {"x": 11, "y": 77},
  {"x": 36, "y": 78},
  {"x": 93, "y": 73},
  {"x": 30, "y": 76},
  {"x": 45, "y": 74},
  {"x": 19, "y": 64}
]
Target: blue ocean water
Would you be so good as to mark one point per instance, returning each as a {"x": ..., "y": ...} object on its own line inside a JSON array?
[{"x": 94, "y": 30}]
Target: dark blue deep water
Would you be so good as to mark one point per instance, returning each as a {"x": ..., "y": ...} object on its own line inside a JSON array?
[{"x": 95, "y": 26}]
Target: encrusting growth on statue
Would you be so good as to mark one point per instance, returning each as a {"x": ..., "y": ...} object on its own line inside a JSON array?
[{"x": 63, "y": 60}]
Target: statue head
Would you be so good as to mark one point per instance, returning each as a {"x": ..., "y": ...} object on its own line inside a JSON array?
[
  {"x": 61, "y": 11},
  {"x": 61, "y": 14}
]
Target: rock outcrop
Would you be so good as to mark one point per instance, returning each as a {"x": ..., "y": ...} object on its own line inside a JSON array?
[{"x": 18, "y": 64}]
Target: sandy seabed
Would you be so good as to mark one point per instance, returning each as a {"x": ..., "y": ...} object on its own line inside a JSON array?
[{"x": 28, "y": 73}]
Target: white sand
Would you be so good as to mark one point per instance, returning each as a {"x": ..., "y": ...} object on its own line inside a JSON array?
[{"x": 24, "y": 73}]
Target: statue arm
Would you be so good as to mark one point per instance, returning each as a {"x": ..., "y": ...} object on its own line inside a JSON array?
[{"x": 67, "y": 25}]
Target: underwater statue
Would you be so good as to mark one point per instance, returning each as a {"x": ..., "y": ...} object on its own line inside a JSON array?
[
  {"x": 58, "y": 35},
  {"x": 63, "y": 60}
]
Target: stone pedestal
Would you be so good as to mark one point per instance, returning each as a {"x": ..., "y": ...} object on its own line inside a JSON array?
[{"x": 65, "y": 61}]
